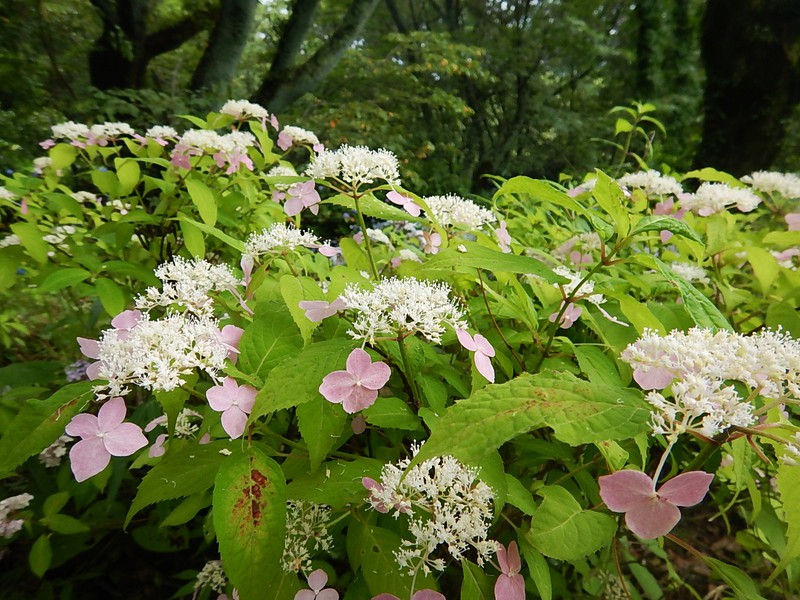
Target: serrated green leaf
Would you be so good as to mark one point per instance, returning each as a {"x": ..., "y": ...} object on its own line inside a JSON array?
[
  {"x": 63, "y": 278},
  {"x": 765, "y": 267},
  {"x": 64, "y": 524},
  {"x": 540, "y": 570},
  {"x": 321, "y": 425},
  {"x": 741, "y": 584},
  {"x": 480, "y": 257},
  {"x": 106, "y": 182},
  {"x": 271, "y": 338},
  {"x": 187, "y": 509},
  {"x": 666, "y": 223},
  {"x": 192, "y": 238},
  {"x": 128, "y": 175},
  {"x": 561, "y": 529},
  {"x": 392, "y": 412},
  {"x": 294, "y": 290},
  {"x": 55, "y": 503},
  {"x": 709, "y": 174},
  {"x": 579, "y": 412},
  {"x": 204, "y": 199},
  {"x": 250, "y": 521},
  {"x": 39, "y": 423},
  {"x": 476, "y": 585},
  {"x": 186, "y": 469},
  {"x": 788, "y": 479},
  {"x": 519, "y": 496},
  {"x": 296, "y": 380},
  {"x": 62, "y": 155},
  {"x": 597, "y": 365},
  {"x": 337, "y": 483}
]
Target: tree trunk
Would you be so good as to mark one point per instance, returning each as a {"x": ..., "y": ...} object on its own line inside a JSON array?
[
  {"x": 118, "y": 58},
  {"x": 286, "y": 82},
  {"x": 646, "y": 15},
  {"x": 224, "y": 50},
  {"x": 751, "y": 53}
]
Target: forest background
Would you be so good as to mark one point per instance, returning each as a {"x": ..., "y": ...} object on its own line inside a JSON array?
[{"x": 462, "y": 88}]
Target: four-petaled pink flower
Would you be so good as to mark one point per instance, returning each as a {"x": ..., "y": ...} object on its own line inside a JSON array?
[
  {"x": 432, "y": 242},
  {"x": 302, "y": 195},
  {"x": 510, "y": 585},
  {"x": 503, "y": 237},
  {"x": 317, "y": 310},
  {"x": 102, "y": 437},
  {"x": 651, "y": 513},
  {"x": 317, "y": 581},
  {"x": 568, "y": 318},
  {"x": 483, "y": 352},
  {"x": 357, "y": 387},
  {"x": 411, "y": 207},
  {"x": 793, "y": 221},
  {"x": 230, "y": 336},
  {"x": 419, "y": 595},
  {"x": 235, "y": 402}
]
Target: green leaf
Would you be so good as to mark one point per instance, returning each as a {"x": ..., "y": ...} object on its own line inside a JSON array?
[
  {"x": 597, "y": 365},
  {"x": 63, "y": 278},
  {"x": 32, "y": 241},
  {"x": 622, "y": 126},
  {"x": 353, "y": 254},
  {"x": 321, "y": 424},
  {"x": 213, "y": 231},
  {"x": 561, "y": 529},
  {"x": 193, "y": 238},
  {"x": 39, "y": 423},
  {"x": 337, "y": 484},
  {"x": 186, "y": 469},
  {"x": 269, "y": 339},
  {"x": 294, "y": 290},
  {"x": 111, "y": 295},
  {"x": 608, "y": 195},
  {"x": 765, "y": 267},
  {"x": 173, "y": 401},
  {"x": 480, "y": 257},
  {"x": 709, "y": 174},
  {"x": 296, "y": 380},
  {"x": 373, "y": 549},
  {"x": 788, "y": 479},
  {"x": 638, "y": 313},
  {"x": 55, "y": 503},
  {"x": 63, "y": 155},
  {"x": 476, "y": 585},
  {"x": 700, "y": 308},
  {"x": 250, "y": 521},
  {"x": 579, "y": 412},
  {"x": 187, "y": 509},
  {"x": 741, "y": 584},
  {"x": 665, "y": 223},
  {"x": 41, "y": 555},
  {"x": 128, "y": 174},
  {"x": 519, "y": 496},
  {"x": 540, "y": 570},
  {"x": 64, "y": 524},
  {"x": 392, "y": 412},
  {"x": 372, "y": 207},
  {"x": 106, "y": 182},
  {"x": 203, "y": 198}
]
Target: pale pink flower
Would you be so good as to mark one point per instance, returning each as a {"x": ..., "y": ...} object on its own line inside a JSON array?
[
  {"x": 302, "y": 195},
  {"x": 432, "y": 242},
  {"x": 230, "y": 335},
  {"x": 510, "y": 585},
  {"x": 419, "y": 595},
  {"x": 579, "y": 259},
  {"x": 247, "y": 263},
  {"x": 47, "y": 144},
  {"x": 157, "y": 449},
  {"x": 483, "y": 352},
  {"x": 329, "y": 251},
  {"x": 318, "y": 310},
  {"x": 284, "y": 141},
  {"x": 651, "y": 513},
  {"x": 102, "y": 437},
  {"x": 317, "y": 581},
  {"x": 652, "y": 378},
  {"x": 503, "y": 237},
  {"x": 123, "y": 323},
  {"x": 234, "y": 402},
  {"x": 357, "y": 387},
  {"x": 793, "y": 221},
  {"x": 571, "y": 314},
  {"x": 407, "y": 203}
]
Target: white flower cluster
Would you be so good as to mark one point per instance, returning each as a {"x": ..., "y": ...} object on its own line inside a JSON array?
[
  {"x": 690, "y": 272},
  {"x": 41, "y": 163},
  {"x": 6, "y": 194},
  {"x": 586, "y": 290},
  {"x": 54, "y": 453},
  {"x": 211, "y": 142},
  {"x": 306, "y": 532},
  {"x": 11, "y": 239},
  {"x": 298, "y": 135},
  {"x": 111, "y": 130},
  {"x": 59, "y": 234},
  {"x": 156, "y": 354},
  {"x": 282, "y": 171},
  {"x": 711, "y": 198},
  {"x": 455, "y": 211},
  {"x": 403, "y": 306},
  {"x": 85, "y": 197},
  {"x": 355, "y": 166},
  {"x": 70, "y": 130},
  {"x": 445, "y": 504},
  {"x": 786, "y": 184},
  {"x": 792, "y": 456},
  {"x": 242, "y": 109},
  {"x": 701, "y": 362},
  {"x": 8, "y": 525},
  {"x": 652, "y": 182},
  {"x": 184, "y": 426},
  {"x": 161, "y": 132},
  {"x": 212, "y": 576},
  {"x": 279, "y": 237},
  {"x": 188, "y": 284}
]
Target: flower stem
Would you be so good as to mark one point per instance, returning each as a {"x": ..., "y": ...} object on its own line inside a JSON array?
[
  {"x": 367, "y": 243},
  {"x": 407, "y": 369}
]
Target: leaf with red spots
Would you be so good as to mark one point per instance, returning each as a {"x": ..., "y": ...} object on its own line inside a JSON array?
[{"x": 250, "y": 521}]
